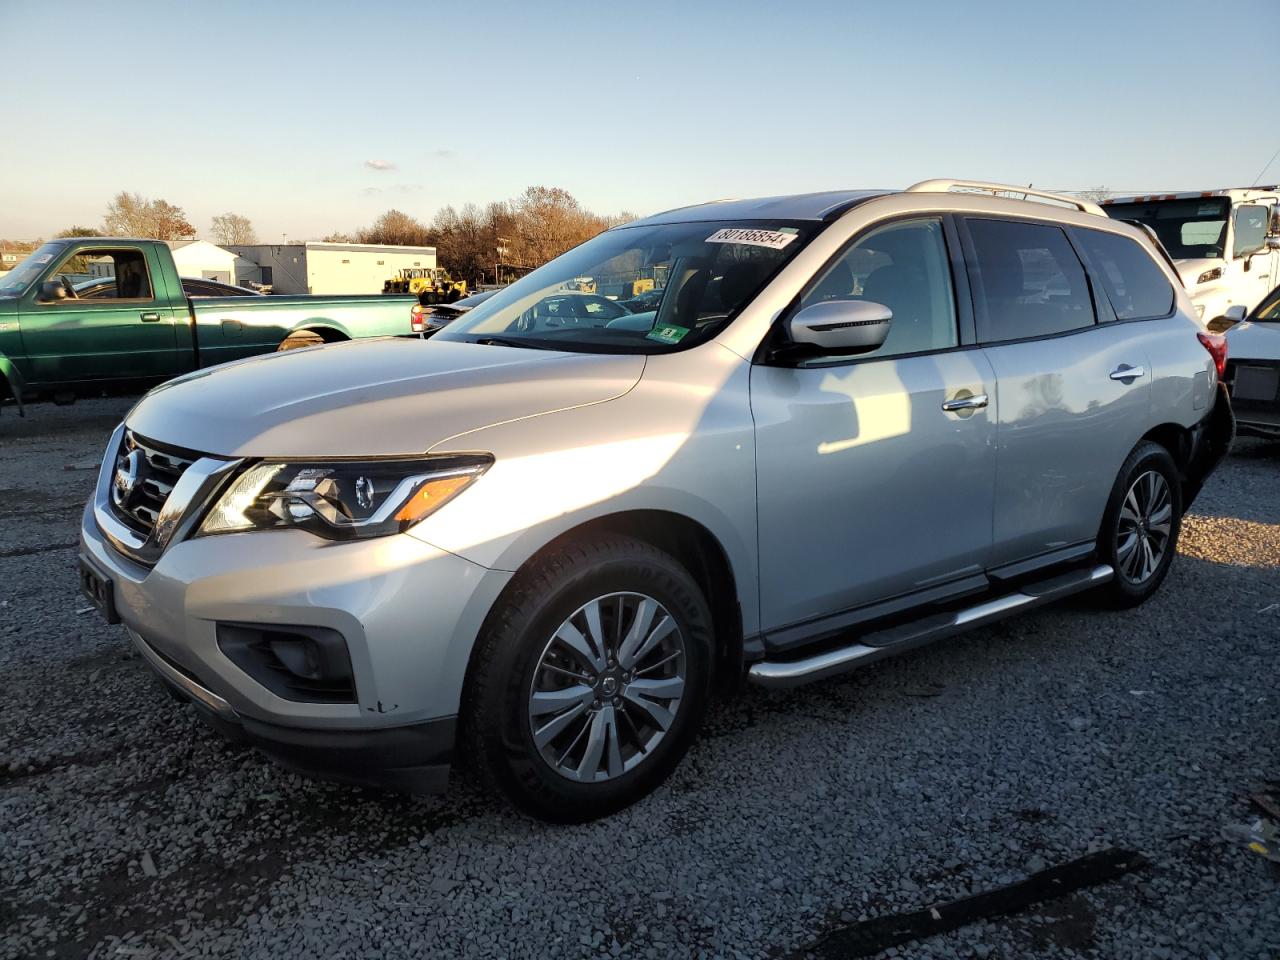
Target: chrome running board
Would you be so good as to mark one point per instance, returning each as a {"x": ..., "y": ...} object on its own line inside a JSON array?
[{"x": 870, "y": 647}]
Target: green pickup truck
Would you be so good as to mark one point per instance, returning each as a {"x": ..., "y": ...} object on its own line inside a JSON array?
[{"x": 134, "y": 324}]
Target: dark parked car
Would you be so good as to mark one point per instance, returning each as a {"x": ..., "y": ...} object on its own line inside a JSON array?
[
  {"x": 428, "y": 319},
  {"x": 101, "y": 288}
]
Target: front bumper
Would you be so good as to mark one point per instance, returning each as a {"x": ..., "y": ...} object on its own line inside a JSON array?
[
  {"x": 409, "y": 614},
  {"x": 413, "y": 759}
]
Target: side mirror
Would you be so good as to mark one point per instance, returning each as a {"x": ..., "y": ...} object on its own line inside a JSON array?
[
  {"x": 840, "y": 327},
  {"x": 53, "y": 290},
  {"x": 1230, "y": 317}
]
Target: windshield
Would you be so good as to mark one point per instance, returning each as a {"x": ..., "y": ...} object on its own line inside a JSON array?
[
  {"x": 20, "y": 277},
  {"x": 643, "y": 289},
  {"x": 1269, "y": 310},
  {"x": 1189, "y": 229}
]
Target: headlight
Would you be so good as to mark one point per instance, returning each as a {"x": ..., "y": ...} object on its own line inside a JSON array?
[
  {"x": 1214, "y": 274},
  {"x": 342, "y": 500}
]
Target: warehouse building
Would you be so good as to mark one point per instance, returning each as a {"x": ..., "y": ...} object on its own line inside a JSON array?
[
  {"x": 200, "y": 258},
  {"x": 326, "y": 268}
]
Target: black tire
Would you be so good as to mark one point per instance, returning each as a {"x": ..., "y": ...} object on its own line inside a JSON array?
[
  {"x": 496, "y": 715},
  {"x": 1133, "y": 583},
  {"x": 303, "y": 338}
]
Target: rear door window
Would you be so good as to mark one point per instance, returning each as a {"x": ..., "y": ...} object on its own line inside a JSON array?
[
  {"x": 1135, "y": 286},
  {"x": 1027, "y": 281}
]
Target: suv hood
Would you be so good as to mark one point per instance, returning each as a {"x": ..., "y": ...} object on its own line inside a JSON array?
[{"x": 371, "y": 398}]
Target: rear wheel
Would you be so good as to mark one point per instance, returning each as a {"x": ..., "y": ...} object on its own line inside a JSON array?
[
  {"x": 300, "y": 339},
  {"x": 1139, "y": 535},
  {"x": 591, "y": 679}
]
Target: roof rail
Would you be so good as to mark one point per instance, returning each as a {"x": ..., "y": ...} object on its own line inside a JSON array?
[{"x": 946, "y": 186}]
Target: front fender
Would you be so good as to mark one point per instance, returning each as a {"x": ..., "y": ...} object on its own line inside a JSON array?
[{"x": 9, "y": 371}]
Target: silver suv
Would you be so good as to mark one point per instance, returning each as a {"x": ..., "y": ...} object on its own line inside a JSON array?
[{"x": 849, "y": 423}]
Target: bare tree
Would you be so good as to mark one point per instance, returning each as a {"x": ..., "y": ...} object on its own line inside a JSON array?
[
  {"x": 397, "y": 227},
  {"x": 133, "y": 215},
  {"x": 549, "y": 221},
  {"x": 233, "y": 228},
  {"x": 1096, "y": 194},
  {"x": 339, "y": 237}
]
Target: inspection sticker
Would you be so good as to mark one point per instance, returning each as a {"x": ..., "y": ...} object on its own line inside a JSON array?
[
  {"x": 668, "y": 333},
  {"x": 773, "y": 239}
]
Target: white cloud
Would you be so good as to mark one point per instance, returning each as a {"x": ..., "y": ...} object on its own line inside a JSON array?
[{"x": 379, "y": 164}]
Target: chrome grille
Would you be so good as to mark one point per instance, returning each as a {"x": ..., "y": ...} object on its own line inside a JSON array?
[{"x": 145, "y": 474}]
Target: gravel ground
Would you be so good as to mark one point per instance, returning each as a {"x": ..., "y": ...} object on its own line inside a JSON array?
[{"x": 128, "y": 829}]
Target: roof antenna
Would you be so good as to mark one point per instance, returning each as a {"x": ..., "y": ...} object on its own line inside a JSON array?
[{"x": 1266, "y": 168}]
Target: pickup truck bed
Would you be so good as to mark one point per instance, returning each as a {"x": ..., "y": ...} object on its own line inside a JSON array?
[{"x": 228, "y": 328}]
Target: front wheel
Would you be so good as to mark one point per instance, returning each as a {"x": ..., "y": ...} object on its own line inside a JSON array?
[
  {"x": 590, "y": 680},
  {"x": 1139, "y": 535}
]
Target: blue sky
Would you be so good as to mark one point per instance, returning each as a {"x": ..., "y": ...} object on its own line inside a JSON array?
[{"x": 274, "y": 109}]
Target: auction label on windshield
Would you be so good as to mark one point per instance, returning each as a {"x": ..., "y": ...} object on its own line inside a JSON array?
[
  {"x": 773, "y": 239},
  {"x": 668, "y": 333}
]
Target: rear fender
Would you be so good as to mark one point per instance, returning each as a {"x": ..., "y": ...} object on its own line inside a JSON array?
[
  {"x": 9, "y": 371},
  {"x": 1210, "y": 442},
  {"x": 331, "y": 331}
]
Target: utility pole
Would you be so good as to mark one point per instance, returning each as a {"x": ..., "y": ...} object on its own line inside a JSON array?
[{"x": 500, "y": 251}]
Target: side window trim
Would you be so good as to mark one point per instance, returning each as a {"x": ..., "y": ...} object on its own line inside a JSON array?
[
  {"x": 966, "y": 311},
  {"x": 1103, "y": 310},
  {"x": 955, "y": 263},
  {"x": 971, "y": 266},
  {"x": 1102, "y": 298}
]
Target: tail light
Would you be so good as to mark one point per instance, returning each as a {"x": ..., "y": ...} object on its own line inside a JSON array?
[
  {"x": 1216, "y": 344},
  {"x": 417, "y": 318}
]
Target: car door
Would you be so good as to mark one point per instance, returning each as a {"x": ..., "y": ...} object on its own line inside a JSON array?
[
  {"x": 125, "y": 331},
  {"x": 869, "y": 487},
  {"x": 1074, "y": 394}
]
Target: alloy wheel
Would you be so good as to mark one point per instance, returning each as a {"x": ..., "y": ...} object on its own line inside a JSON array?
[
  {"x": 607, "y": 687},
  {"x": 1144, "y": 527}
]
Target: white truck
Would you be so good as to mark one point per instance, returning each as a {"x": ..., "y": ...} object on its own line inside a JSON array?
[{"x": 1224, "y": 243}]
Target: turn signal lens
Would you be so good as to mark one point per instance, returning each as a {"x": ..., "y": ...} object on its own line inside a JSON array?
[
  {"x": 431, "y": 496},
  {"x": 1216, "y": 344}
]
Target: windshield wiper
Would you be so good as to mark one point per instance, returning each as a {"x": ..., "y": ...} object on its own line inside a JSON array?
[{"x": 507, "y": 342}]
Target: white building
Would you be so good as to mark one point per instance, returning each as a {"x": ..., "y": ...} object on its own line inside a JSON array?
[
  {"x": 316, "y": 267},
  {"x": 200, "y": 258}
]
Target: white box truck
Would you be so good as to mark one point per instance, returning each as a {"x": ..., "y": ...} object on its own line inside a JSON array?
[{"x": 1225, "y": 244}]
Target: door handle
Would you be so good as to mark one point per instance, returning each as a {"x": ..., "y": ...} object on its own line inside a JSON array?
[
  {"x": 1127, "y": 374},
  {"x": 969, "y": 401},
  {"x": 150, "y": 318}
]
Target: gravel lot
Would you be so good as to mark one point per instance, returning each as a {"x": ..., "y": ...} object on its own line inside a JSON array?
[{"x": 128, "y": 829}]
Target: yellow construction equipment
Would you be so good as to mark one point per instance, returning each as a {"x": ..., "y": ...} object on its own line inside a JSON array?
[{"x": 431, "y": 285}]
